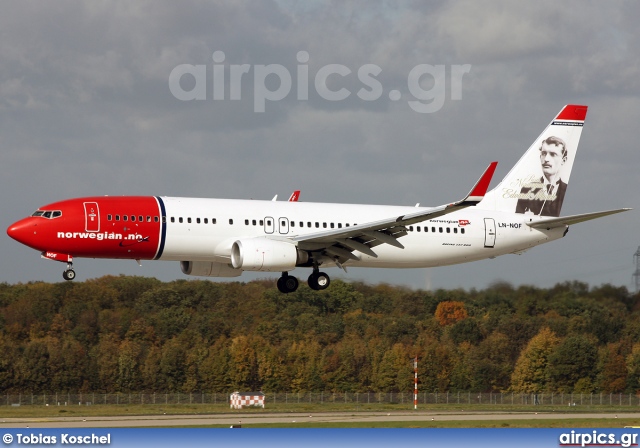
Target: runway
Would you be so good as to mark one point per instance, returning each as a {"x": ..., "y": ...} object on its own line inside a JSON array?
[{"x": 292, "y": 419}]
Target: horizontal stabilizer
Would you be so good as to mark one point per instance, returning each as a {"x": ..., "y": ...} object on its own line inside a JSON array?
[{"x": 551, "y": 223}]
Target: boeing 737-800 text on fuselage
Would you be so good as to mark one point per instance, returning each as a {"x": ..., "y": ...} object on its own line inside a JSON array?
[{"x": 224, "y": 237}]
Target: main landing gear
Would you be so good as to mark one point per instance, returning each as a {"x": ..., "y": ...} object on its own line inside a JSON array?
[
  {"x": 287, "y": 283},
  {"x": 317, "y": 281},
  {"x": 69, "y": 274}
]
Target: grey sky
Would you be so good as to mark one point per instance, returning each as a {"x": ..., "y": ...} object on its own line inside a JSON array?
[{"x": 86, "y": 109}]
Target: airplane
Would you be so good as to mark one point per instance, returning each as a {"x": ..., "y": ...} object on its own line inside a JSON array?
[{"x": 225, "y": 237}]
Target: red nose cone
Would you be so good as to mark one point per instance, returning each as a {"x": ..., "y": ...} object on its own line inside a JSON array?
[{"x": 24, "y": 231}]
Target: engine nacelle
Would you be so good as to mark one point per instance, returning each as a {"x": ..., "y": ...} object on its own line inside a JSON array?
[
  {"x": 208, "y": 269},
  {"x": 261, "y": 254}
]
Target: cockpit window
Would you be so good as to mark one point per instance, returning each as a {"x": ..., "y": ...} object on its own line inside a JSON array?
[{"x": 49, "y": 214}]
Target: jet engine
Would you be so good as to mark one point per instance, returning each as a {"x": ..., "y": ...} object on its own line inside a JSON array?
[
  {"x": 262, "y": 254},
  {"x": 208, "y": 269}
]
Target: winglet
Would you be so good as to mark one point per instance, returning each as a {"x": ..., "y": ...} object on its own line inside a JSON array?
[
  {"x": 480, "y": 188},
  {"x": 294, "y": 196}
]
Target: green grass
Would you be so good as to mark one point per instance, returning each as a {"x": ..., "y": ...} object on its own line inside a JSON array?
[
  {"x": 40, "y": 411},
  {"x": 77, "y": 411},
  {"x": 27, "y": 411},
  {"x": 555, "y": 423}
]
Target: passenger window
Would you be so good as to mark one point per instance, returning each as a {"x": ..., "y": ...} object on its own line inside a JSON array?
[
  {"x": 109, "y": 217},
  {"x": 197, "y": 220},
  {"x": 426, "y": 229},
  {"x": 189, "y": 220},
  {"x": 180, "y": 220},
  {"x": 173, "y": 219},
  {"x": 140, "y": 219},
  {"x": 410, "y": 228},
  {"x": 448, "y": 230},
  {"x": 262, "y": 222},
  {"x": 317, "y": 225},
  {"x": 133, "y": 218},
  {"x": 433, "y": 229},
  {"x": 462, "y": 231},
  {"x": 149, "y": 218},
  {"x": 293, "y": 223},
  {"x": 308, "y": 224},
  {"x": 455, "y": 230},
  {"x": 418, "y": 228},
  {"x": 253, "y": 222},
  {"x": 339, "y": 225},
  {"x": 231, "y": 222},
  {"x": 213, "y": 221},
  {"x": 246, "y": 222},
  {"x": 440, "y": 229},
  {"x": 206, "y": 220},
  {"x": 331, "y": 225},
  {"x": 117, "y": 217},
  {"x": 124, "y": 217},
  {"x": 324, "y": 224}
]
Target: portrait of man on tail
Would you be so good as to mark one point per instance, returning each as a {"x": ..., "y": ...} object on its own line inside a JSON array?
[{"x": 544, "y": 196}]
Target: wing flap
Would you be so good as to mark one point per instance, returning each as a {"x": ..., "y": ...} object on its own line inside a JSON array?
[{"x": 354, "y": 244}]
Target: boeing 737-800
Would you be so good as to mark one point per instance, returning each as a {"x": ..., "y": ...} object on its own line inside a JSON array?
[{"x": 224, "y": 237}]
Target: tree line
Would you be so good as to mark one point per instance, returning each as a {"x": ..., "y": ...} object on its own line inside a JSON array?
[{"x": 135, "y": 334}]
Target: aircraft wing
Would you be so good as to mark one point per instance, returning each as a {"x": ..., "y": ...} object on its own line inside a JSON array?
[
  {"x": 338, "y": 244},
  {"x": 551, "y": 223}
]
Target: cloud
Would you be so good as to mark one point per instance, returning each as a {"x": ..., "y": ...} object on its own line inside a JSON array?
[{"x": 85, "y": 108}]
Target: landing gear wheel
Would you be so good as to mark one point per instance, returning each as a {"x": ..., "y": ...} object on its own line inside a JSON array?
[
  {"x": 69, "y": 274},
  {"x": 318, "y": 281},
  {"x": 287, "y": 283}
]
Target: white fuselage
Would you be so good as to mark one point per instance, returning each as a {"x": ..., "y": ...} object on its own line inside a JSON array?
[{"x": 205, "y": 229}]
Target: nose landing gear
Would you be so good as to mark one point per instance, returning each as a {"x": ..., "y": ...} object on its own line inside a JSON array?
[{"x": 69, "y": 274}]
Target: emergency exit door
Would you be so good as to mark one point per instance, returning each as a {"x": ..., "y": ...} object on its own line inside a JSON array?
[
  {"x": 91, "y": 217},
  {"x": 489, "y": 232}
]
